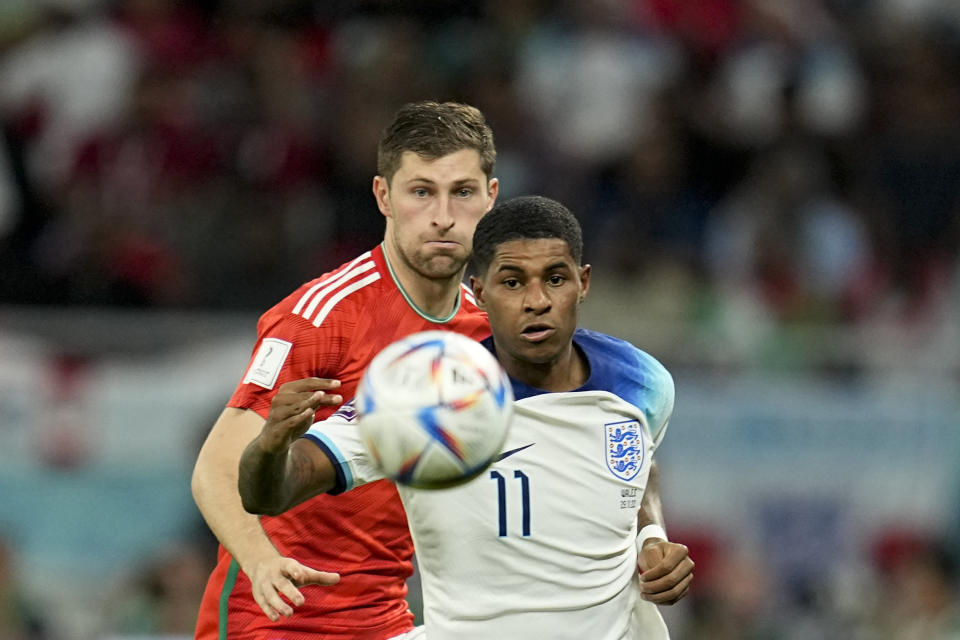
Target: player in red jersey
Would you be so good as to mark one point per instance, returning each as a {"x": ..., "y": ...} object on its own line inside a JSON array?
[{"x": 435, "y": 166}]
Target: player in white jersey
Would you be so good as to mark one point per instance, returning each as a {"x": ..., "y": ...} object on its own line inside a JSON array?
[{"x": 545, "y": 543}]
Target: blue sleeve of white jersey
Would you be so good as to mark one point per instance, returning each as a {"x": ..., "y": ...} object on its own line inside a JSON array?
[
  {"x": 631, "y": 374},
  {"x": 339, "y": 438},
  {"x": 638, "y": 378},
  {"x": 659, "y": 393}
]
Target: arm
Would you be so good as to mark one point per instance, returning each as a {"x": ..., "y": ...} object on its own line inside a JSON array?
[
  {"x": 214, "y": 486},
  {"x": 666, "y": 569},
  {"x": 278, "y": 470}
]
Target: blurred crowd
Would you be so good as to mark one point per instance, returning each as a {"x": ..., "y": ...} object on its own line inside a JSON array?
[
  {"x": 752, "y": 163},
  {"x": 909, "y": 589},
  {"x": 799, "y": 157},
  {"x": 906, "y": 588}
]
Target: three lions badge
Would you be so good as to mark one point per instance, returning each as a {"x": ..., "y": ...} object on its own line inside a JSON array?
[{"x": 624, "y": 448}]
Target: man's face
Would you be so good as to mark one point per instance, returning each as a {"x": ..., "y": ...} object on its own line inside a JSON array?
[
  {"x": 432, "y": 208},
  {"x": 531, "y": 292}
]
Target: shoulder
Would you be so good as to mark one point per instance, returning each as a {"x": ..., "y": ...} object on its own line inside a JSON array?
[
  {"x": 621, "y": 356},
  {"x": 349, "y": 287},
  {"x": 630, "y": 373},
  {"x": 470, "y": 319}
]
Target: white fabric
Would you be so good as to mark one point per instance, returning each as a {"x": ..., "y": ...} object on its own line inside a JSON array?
[
  {"x": 541, "y": 544},
  {"x": 574, "y": 575},
  {"x": 417, "y": 633}
]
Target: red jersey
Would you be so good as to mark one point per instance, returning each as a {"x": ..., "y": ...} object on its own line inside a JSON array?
[{"x": 332, "y": 327}]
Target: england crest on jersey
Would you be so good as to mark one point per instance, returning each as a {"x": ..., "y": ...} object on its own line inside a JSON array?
[{"x": 624, "y": 448}]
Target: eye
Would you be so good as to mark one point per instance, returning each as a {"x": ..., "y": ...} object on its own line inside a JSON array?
[
  {"x": 556, "y": 279},
  {"x": 464, "y": 192},
  {"x": 511, "y": 283},
  {"x": 420, "y": 192}
]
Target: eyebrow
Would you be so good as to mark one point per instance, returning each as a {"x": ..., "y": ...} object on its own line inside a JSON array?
[
  {"x": 553, "y": 267},
  {"x": 456, "y": 183},
  {"x": 509, "y": 267}
]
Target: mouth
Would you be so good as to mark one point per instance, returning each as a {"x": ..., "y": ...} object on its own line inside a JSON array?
[
  {"x": 537, "y": 332},
  {"x": 442, "y": 244}
]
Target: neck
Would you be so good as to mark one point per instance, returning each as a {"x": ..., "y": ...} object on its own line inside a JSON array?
[
  {"x": 434, "y": 298},
  {"x": 567, "y": 372}
]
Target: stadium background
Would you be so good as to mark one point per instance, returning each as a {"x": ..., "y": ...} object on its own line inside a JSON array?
[{"x": 770, "y": 193}]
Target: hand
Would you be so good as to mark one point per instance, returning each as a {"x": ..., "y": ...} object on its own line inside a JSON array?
[
  {"x": 293, "y": 410},
  {"x": 666, "y": 571},
  {"x": 281, "y": 576}
]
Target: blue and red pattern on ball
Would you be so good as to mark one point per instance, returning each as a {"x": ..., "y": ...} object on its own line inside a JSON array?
[
  {"x": 417, "y": 347},
  {"x": 408, "y": 468}
]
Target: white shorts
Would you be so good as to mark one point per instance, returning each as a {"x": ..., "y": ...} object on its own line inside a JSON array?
[{"x": 417, "y": 633}]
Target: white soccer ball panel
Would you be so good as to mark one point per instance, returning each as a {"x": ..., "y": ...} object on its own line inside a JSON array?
[
  {"x": 393, "y": 439},
  {"x": 437, "y": 468},
  {"x": 434, "y": 409}
]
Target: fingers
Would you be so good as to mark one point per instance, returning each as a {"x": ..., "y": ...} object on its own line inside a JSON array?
[
  {"x": 312, "y": 576},
  {"x": 312, "y": 384},
  {"x": 658, "y": 560},
  {"x": 307, "y": 392},
  {"x": 326, "y": 385},
  {"x": 269, "y": 602},
  {"x": 268, "y": 597},
  {"x": 665, "y": 581},
  {"x": 292, "y": 410},
  {"x": 323, "y": 385},
  {"x": 275, "y": 586},
  {"x": 651, "y": 591}
]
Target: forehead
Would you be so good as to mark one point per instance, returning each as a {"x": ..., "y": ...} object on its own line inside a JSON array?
[
  {"x": 457, "y": 166},
  {"x": 532, "y": 253}
]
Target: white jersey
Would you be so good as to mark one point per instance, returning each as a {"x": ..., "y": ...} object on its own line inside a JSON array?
[{"x": 542, "y": 544}]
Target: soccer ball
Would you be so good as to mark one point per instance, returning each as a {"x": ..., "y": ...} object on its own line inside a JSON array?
[{"x": 434, "y": 409}]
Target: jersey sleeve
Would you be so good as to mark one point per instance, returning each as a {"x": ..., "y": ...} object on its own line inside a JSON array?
[
  {"x": 339, "y": 438},
  {"x": 652, "y": 391},
  {"x": 288, "y": 348},
  {"x": 633, "y": 375},
  {"x": 660, "y": 408}
]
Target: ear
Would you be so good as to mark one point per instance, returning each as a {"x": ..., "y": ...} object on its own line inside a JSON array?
[
  {"x": 477, "y": 285},
  {"x": 381, "y": 191},
  {"x": 493, "y": 189},
  {"x": 584, "y": 281}
]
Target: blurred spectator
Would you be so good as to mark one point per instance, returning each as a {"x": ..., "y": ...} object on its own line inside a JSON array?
[
  {"x": 648, "y": 196},
  {"x": 70, "y": 77},
  {"x": 162, "y": 599},
  {"x": 921, "y": 593},
  {"x": 736, "y": 601},
  {"x": 913, "y": 162},
  {"x": 786, "y": 235},
  {"x": 592, "y": 81},
  {"x": 9, "y": 197},
  {"x": 794, "y": 161},
  {"x": 19, "y": 619}
]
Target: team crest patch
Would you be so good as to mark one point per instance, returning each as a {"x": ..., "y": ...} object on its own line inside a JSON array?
[{"x": 624, "y": 446}]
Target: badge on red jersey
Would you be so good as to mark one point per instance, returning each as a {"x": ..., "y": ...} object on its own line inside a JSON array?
[{"x": 266, "y": 364}]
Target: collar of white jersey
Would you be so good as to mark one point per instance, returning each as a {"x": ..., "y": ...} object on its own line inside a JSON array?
[
  {"x": 596, "y": 380},
  {"x": 413, "y": 305}
]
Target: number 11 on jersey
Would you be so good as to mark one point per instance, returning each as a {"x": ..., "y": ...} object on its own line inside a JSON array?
[{"x": 502, "y": 501}]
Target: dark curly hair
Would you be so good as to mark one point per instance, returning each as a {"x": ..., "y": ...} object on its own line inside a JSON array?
[{"x": 524, "y": 218}]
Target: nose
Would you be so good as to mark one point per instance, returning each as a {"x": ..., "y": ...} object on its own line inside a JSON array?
[
  {"x": 536, "y": 299},
  {"x": 443, "y": 214}
]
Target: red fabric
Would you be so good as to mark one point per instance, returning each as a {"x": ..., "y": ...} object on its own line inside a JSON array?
[{"x": 363, "y": 533}]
